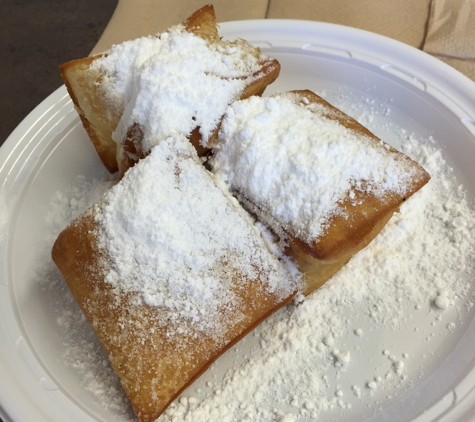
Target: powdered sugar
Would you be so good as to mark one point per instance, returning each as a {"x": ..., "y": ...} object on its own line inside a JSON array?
[
  {"x": 164, "y": 82},
  {"x": 173, "y": 237},
  {"x": 302, "y": 358},
  {"x": 292, "y": 159},
  {"x": 286, "y": 370}
]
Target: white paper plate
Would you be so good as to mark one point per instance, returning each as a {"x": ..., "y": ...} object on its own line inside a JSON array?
[{"x": 49, "y": 149}]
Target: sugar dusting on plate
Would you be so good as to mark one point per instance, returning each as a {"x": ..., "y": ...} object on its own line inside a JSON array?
[{"x": 337, "y": 353}]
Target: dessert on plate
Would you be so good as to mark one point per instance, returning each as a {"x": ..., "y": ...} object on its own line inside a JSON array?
[
  {"x": 169, "y": 268},
  {"x": 322, "y": 182},
  {"x": 170, "y": 272},
  {"x": 185, "y": 76}
]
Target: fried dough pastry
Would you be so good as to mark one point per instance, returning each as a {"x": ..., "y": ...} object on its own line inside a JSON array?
[
  {"x": 323, "y": 183},
  {"x": 186, "y": 76},
  {"x": 170, "y": 273}
]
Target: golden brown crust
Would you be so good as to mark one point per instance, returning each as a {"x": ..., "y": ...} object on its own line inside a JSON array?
[
  {"x": 90, "y": 104},
  {"x": 202, "y": 23},
  {"x": 317, "y": 271},
  {"x": 153, "y": 367}
]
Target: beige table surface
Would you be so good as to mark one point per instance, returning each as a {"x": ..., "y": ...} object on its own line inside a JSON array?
[{"x": 444, "y": 28}]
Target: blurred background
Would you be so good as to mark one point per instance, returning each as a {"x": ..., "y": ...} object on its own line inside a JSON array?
[{"x": 35, "y": 37}]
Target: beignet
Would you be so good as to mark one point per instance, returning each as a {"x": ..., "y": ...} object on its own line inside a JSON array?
[
  {"x": 170, "y": 272},
  {"x": 321, "y": 181},
  {"x": 184, "y": 77}
]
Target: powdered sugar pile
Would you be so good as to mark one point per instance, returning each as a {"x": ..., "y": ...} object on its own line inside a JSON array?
[
  {"x": 298, "y": 165},
  {"x": 158, "y": 227},
  {"x": 180, "y": 70}
]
